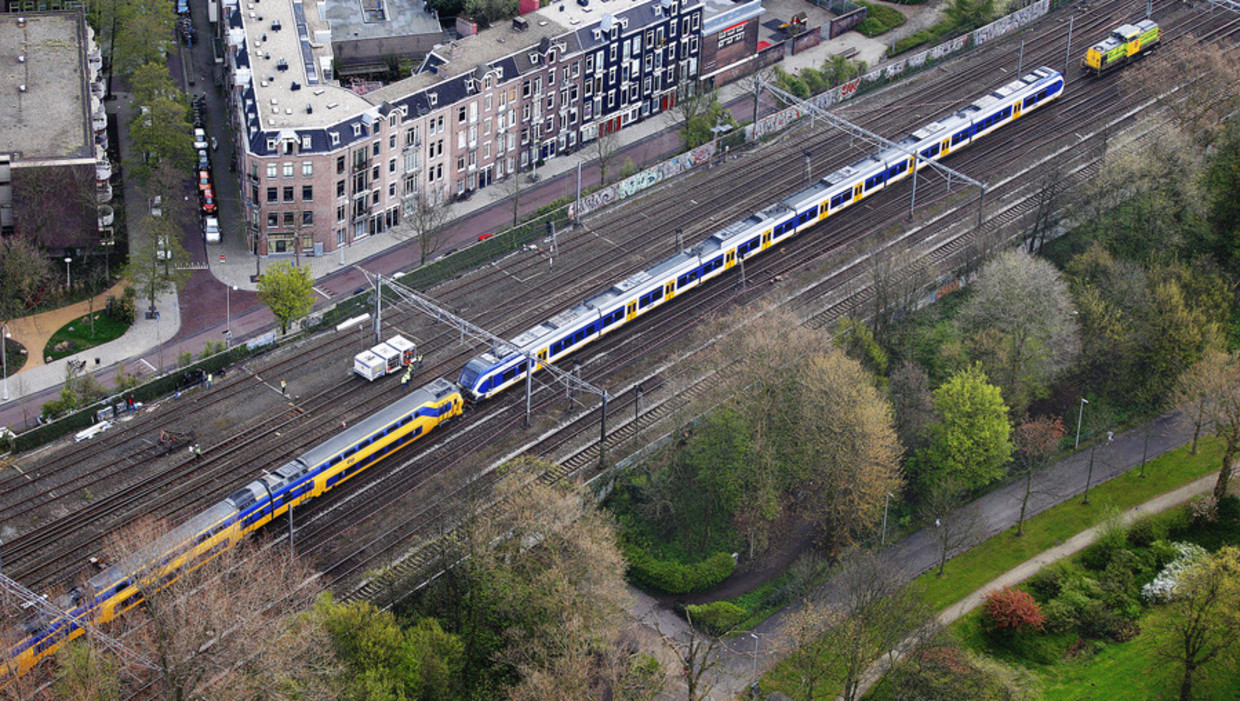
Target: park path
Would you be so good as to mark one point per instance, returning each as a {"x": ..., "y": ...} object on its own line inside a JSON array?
[{"x": 34, "y": 331}]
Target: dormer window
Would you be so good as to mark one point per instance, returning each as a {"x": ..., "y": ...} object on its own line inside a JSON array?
[
  {"x": 271, "y": 143},
  {"x": 357, "y": 129},
  {"x": 434, "y": 98},
  {"x": 306, "y": 141},
  {"x": 534, "y": 58},
  {"x": 335, "y": 137}
]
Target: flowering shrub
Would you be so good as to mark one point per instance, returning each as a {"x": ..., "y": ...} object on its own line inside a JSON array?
[
  {"x": 1012, "y": 611},
  {"x": 1203, "y": 510},
  {"x": 1162, "y": 589}
]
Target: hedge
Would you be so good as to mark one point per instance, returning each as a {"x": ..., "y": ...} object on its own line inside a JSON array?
[
  {"x": 146, "y": 392},
  {"x": 675, "y": 577},
  {"x": 879, "y": 20},
  {"x": 716, "y": 618},
  {"x": 929, "y": 35}
]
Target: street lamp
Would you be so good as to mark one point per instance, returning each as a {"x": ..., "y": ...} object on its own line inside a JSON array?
[
  {"x": 228, "y": 290},
  {"x": 754, "y": 680},
  {"x": 1079, "y": 414},
  {"x": 68, "y": 279},
  {"x": 4, "y": 350},
  {"x": 886, "y": 503}
]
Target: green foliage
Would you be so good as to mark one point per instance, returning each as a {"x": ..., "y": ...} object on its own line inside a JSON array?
[
  {"x": 717, "y": 618},
  {"x": 287, "y": 291},
  {"x": 488, "y": 12},
  {"x": 448, "y": 8},
  {"x": 163, "y": 134},
  {"x": 879, "y": 19},
  {"x": 709, "y": 114},
  {"x": 971, "y": 444},
  {"x": 857, "y": 340},
  {"x": 1222, "y": 181},
  {"x": 791, "y": 83},
  {"x": 210, "y": 348},
  {"x": 677, "y": 577},
  {"x": 1144, "y": 531},
  {"x": 26, "y": 273},
  {"x": 80, "y": 334},
  {"x": 967, "y": 15},
  {"x": 1047, "y": 582},
  {"x": 143, "y": 35},
  {"x": 123, "y": 309},
  {"x": 930, "y": 35}
]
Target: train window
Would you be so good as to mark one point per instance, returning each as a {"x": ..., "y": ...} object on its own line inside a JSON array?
[
  {"x": 579, "y": 335},
  {"x": 657, "y": 294}
]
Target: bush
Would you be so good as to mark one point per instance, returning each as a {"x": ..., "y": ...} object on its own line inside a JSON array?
[
  {"x": 716, "y": 618},
  {"x": 677, "y": 577},
  {"x": 1012, "y": 611},
  {"x": 1060, "y": 616},
  {"x": 1099, "y": 555},
  {"x": 123, "y": 309},
  {"x": 1144, "y": 532},
  {"x": 879, "y": 20},
  {"x": 1047, "y": 582}
]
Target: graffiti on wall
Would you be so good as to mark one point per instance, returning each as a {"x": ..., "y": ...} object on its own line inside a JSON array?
[
  {"x": 1007, "y": 23},
  {"x": 647, "y": 178}
]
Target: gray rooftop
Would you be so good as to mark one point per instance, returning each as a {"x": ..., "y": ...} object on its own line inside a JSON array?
[
  {"x": 278, "y": 59},
  {"x": 51, "y": 119},
  {"x": 376, "y": 19}
]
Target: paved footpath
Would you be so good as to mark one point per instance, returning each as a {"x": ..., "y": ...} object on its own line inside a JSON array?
[{"x": 747, "y": 657}]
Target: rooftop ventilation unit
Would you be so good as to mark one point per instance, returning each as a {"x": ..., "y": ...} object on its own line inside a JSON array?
[
  {"x": 296, "y": 85},
  {"x": 520, "y": 24},
  {"x": 309, "y": 108}
]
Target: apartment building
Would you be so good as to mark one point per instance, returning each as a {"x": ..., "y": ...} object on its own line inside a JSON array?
[
  {"x": 54, "y": 170},
  {"x": 325, "y": 166}
]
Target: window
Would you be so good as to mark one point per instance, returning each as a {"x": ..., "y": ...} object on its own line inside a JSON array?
[
  {"x": 273, "y": 219},
  {"x": 375, "y": 148},
  {"x": 273, "y": 194},
  {"x": 307, "y": 169},
  {"x": 391, "y": 189},
  {"x": 392, "y": 141},
  {"x": 460, "y": 163},
  {"x": 335, "y": 138},
  {"x": 307, "y": 217},
  {"x": 392, "y": 165},
  {"x": 288, "y": 219},
  {"x": 306, "y": 143},
  {"x": 340, "y": 213},
  {"x": 288, "y": 170},
  {"x": 339, "y": 188},
  {"x": 460, "y": 114},
  {"x": 288, "y": 193},
  {"x": 307, "y": 193},
  {"x": 271, "y": 170}
]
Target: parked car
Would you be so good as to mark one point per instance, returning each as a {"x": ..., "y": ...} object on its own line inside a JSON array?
[
  {"x": 208, "y": 201},
  {"x": 157, "y": 206},
  {"x": 200, "y": 140},
  {"x": 204, "y": 162},
  {"x": 204, "y": 180},
  {"x": 161, "y": 249},
  {"x": 211, "y": 229}
]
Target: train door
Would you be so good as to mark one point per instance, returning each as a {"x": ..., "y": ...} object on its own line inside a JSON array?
[
  {"x": 858, "y": 191},
  {"x": 542, "y": 356},
  {"x": 730, "y": 259},
  {"x": 630, "y": 311},
  {"x": 943, "y": 147},
  {"x": 1016, "y": 110},
  {"x": 766, "y": 235},
  {"x": 669, "y": 290}
]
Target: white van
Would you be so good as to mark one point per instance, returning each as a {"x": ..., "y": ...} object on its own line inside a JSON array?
[{"x": 211, "y": 227}]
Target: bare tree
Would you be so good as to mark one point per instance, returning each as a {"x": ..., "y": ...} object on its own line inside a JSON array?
[
  {"x": 1048, "y": 202},
  {"x": 897, "y": 277},
  {"x": 1036, "y": 442},
  {"x": 425, "y": 223},
  {"x": 753, "y": 83},
  {"x": 1207, "y": 81},
  {"x": 605, "y": 146},
  {"x": 908, "y": 388},
  {"x": 804, "y": 647},
  {"x": 948, "y": 521},
  {"x": 1215, "y": 383},
  {"x": 698, "y": 653}
]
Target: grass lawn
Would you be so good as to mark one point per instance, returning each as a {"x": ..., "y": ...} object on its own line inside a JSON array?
[
  {"x": 968, "y": 571},
  {"x": 77, "y": 334}
]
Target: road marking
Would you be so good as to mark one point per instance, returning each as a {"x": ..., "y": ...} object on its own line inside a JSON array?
[
  {"x": 144, "y": 362},
  {"x": 325, "y": 295}
]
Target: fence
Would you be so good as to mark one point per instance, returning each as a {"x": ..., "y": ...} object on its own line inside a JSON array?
[{"x": 881, "y": 76}]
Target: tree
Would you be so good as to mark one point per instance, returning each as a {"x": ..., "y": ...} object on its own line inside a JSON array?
[
  {"x": 1203, "y": 620},
  {"x": 805, "y": 649},
  {"x": 967, "y": 15},
  {"x": 142, "y": 31},
  {"x": 200, "y": 630},
  {"x": 1036, "y": 441},
  {"x": 1048, "y": 203},
  {"x": 287, "y": 291},
  {"x": 908, "y": 389},
  {"x": 488, "y": 12},
  {"x": 157, "y": 265},
  {"x": 853, "y": 458},
  {"x": 425, "y": 223},
  {"x": 1207, "y": 77},
  {"x": 896, "y": 279},
  {"x": 858, "y": 342},
  {"x": 1020, "y": 316},
  {"x": 720, "y": 453},
  {"x": 698, "y": 113},
  {"x": 1214, "y": 384},
  {"x": 513, "y": 187},
  {"x": 698, "y": 653},
  {"x": 151, "y": 82},
  {"x": 26, "y": 273},
  {"x": 163, "y": 133},
  {"x": 1222, "y": 181},
  {"x": 971, "y": 444},
  {"x": 1012, "y": 611},
  {"x": 951, "y": 524},
  {"x": 605, "y": 146}
]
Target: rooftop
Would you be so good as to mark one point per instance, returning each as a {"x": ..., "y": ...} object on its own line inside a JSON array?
[
  {"x": 377, "y": 19},
  {"x": 50, "y": 116},
  {"x": 287, "y": 47}
]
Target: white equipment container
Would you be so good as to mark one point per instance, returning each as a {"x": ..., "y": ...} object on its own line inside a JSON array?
[
  {"x": 390, "y": 355},
  {"x": 369, "y": 365},
  {"x": 408, "y": 349}
]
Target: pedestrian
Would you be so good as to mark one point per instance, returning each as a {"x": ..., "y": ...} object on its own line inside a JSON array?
[
  {"x": 214, "y": 146},
  {"x": 283, "y": 388},
  {"x": 419, "y": 359},
  {"x": 209, "y": 378},
  {"x": 404, "y": 381}
]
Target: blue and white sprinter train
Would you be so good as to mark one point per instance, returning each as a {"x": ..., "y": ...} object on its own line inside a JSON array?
[{"x": 488, "y": 374}]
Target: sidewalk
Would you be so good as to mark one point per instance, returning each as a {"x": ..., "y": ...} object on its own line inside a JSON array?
[{"x": 34, "y": 331}]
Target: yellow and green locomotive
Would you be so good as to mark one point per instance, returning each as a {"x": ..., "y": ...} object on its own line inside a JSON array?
[{"x": 1127, "y": 42}]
